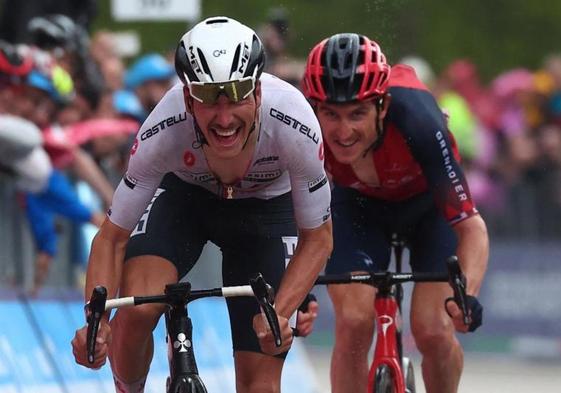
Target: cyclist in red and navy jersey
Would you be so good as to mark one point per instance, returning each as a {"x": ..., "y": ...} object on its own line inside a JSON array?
[{"x": 395, "y": 169}]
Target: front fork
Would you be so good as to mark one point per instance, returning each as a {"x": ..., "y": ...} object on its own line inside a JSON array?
[
  {"x": 184, "y": 375},
  {"x": 388, "y": 330}
]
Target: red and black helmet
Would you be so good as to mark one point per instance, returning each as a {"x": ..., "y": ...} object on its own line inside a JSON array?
[
  {"x": 346, "y": 67},
  {"x": 12, "y": 63}
]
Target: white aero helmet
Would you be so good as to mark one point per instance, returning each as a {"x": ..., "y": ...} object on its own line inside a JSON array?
[{"x": 218, "y": 50}]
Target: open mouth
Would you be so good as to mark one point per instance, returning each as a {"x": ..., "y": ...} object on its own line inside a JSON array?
[
  {"x": 347, "y": 143},
  {"x": 226, "y": 137}
]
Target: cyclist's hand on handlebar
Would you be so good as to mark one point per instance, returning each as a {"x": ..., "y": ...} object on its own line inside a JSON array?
[
  {"x": 475, "y": 310},
  {"x": 79, "y": 346},
  {"x": 266, "y": 338},
  {"x": 306, "y": 318}
]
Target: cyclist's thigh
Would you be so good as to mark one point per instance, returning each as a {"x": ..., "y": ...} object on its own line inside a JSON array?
[
  {"x": 256, "y": 236},
  {"x": 432, "y": 241},
  {"x": 353, "y": 306},
  {"x": 428, "y": 316},
  {"x": 172, "y": 226},
  {"x": 360, "y": 241}
]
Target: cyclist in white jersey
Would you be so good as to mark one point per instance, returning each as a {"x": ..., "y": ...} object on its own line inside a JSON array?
[{"x": 228, "y": 155}]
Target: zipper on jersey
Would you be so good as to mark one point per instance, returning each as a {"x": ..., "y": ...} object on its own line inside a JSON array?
[{"x": 229, "y": 192}]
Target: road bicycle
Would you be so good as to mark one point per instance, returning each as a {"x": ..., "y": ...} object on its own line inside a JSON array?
[
  {"x": 391, "y": 371},
  {"x": 184, "y": 376}
]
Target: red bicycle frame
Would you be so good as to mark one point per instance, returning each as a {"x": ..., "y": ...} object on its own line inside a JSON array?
[
  {"x": 388, "y": 325},
  {"x": 387, "y": 367}
]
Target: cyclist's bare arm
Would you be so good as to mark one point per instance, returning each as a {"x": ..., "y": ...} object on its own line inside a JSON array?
[
  {"x": 314, "y": 246},
  {"x": 105, "y": 264},
  {"x": 473, "y": 251},
  {"x": 313, "y": 249},
  {"x": 104, "y": 268}
]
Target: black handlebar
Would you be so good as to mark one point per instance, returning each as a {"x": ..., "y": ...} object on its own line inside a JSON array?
[
  {"x": 179, "y": 294},
  {"x": 94, "y": 311},
  {"x": 458, "y": 284},
  {"x": 265, "y": 296},
  {"x": 454, "y": 277}
]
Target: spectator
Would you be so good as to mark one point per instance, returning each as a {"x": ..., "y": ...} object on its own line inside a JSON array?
[
  {"x": 68, "y": 42},
  {"x": 47, "y": 191},
  {"x": 275, "y": 34},
  {"x": 149, "y": 78}
]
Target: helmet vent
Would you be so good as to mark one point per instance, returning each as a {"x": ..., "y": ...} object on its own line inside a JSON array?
[
  {"x": 204, "y": 64},
  {"x": 216, "y": 20}
]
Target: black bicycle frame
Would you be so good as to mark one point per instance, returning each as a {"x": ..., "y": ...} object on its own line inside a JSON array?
[
  {"x": 184, "y": 375},
  {"x": 182, "y": 365}
]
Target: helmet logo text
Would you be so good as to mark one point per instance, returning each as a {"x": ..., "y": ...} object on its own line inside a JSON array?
[
  {"x": 193, "y": 61},
  {"x": 244, "y": 59},
  {"x": 219, "y": 52}
]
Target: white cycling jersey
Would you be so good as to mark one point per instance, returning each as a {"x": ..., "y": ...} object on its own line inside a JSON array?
[{"x": 288, "y": 156}]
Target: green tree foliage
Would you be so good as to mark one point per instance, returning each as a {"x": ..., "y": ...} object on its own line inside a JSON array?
[{"x": 495, "y": 34}]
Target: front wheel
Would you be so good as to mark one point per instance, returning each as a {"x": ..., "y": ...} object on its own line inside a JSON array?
[
  {"x": 384, "y": 381},
  {"x": 408, "y": 375}
]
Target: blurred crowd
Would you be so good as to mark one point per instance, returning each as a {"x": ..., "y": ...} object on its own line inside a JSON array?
[
  {"x": 71, "y": 104},
  {"x": 509, "y": 135}
]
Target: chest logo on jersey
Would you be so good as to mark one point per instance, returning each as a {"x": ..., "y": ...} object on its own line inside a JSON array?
[
  {"x": 188, "y": 158},
  {"x": 170, "y": 121},
  {"x": 266, "y": 160},
  {"x": 203, "y": 177},
  {"x": 261, "y": 177},
  {"x": 297, "y": 125}
]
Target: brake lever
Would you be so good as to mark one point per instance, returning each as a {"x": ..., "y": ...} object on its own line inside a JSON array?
[
  {"x": 458, "y": 284},
  {"x": 94, "y": 311},
  {"x": 265, "y": 295}
]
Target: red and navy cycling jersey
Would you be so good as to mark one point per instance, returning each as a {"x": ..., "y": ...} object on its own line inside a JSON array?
[{"x": 417, "y": 153}]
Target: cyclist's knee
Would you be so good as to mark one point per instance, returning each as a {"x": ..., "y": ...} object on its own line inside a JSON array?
[
  {"x": 256, "y": 373},
  {"x": 354, "y": 325},
  {"x": 435, "y": 338}
]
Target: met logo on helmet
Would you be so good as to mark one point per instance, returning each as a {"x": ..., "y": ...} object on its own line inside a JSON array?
[
  {"x": 193, "y": 61},
  {"x": 245, "y": 58}
]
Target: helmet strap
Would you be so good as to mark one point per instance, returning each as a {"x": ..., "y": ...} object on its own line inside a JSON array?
[
  {"x": 253, "y": 126},
  {"x": 380, "y": 131},
  {"x": 201, "y": 140}
]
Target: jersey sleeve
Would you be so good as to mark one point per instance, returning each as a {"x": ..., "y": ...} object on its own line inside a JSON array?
[
  {"x": 303, "y": 149},
  {"x": 145, "y": 171},
  {"x": 417, "y": 115}
]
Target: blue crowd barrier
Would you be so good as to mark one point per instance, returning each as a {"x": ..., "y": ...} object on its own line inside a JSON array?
[{"x": 36, "y": 356}]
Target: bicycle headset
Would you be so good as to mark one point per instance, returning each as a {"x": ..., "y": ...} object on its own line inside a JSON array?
[
  {"x": 347, "y": 68},
  {"x": 219, "y": 56}
]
